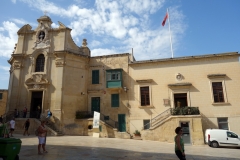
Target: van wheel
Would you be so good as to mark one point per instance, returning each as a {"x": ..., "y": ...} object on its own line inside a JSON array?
[{"x": 214, "y": 144}]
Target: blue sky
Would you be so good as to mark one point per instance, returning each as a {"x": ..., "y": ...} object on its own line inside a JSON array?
[{"x": 198, "y": 27}]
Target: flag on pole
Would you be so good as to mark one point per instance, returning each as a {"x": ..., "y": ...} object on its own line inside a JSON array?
[{"x": 165, "y": 19}]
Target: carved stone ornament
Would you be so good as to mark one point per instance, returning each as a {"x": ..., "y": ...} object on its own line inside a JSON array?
[
  {"x": 37, "y": 81},
  {"x": 179, "y": 77},
  {"x": 36, "y": 86},
  {"x": 60, "y": 62},
  {"x": 17, "y": 65},
  {"x": 84, "y": 43},
  {"x": 42, "y": 40}
]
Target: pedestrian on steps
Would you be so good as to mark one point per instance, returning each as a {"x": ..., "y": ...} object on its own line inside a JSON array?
[{"x": 26, "y": 126}]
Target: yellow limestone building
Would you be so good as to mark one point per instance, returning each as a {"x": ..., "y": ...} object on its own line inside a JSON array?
[
  {"x": 49, "y": 71},
  {"x": 3, "y": 101}
]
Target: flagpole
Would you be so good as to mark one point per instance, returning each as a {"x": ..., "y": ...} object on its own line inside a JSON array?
[{"x": 170, "y": 32}]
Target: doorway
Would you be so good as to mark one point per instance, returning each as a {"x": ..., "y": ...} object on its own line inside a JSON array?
[
  {"x": 186, "y": 132},
  {"x": 121, "y": 123},
  {"x": 180, "y": 100},
  {"x": 36, "y": 104},
  {"x": 95, "y": 102}
]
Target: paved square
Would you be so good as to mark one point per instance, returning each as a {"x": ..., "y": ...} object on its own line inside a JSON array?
[{"x": 89, "y": 148}]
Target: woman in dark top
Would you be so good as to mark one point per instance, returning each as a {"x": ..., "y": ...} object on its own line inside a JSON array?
[
  {"x": 179, "y": 144},
  {"x": 26, "y": 126}
]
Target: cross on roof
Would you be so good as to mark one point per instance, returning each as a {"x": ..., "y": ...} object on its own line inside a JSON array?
[{"x": 45, "y": 13}]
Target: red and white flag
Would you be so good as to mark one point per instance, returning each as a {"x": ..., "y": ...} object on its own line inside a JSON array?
[{"x": 165, "y": 19}]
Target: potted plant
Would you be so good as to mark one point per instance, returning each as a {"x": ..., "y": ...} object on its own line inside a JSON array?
[{"x": 137, "y": 133}]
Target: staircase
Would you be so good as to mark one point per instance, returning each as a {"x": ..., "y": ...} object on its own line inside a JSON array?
[
  {"x": 51, "y": 126},
  {"x": 159, "y": 119}
]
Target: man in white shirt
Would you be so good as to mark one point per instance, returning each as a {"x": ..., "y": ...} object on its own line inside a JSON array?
[{"x": 12, "y": 126}]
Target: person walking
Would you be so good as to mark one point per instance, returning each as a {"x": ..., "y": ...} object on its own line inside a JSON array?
[
  {"x": 38, "y": 111},
  {"x": 24, "y": 112},
  {"x": 12, "y": 126},
  {"x": 49, "y": 114},
  {"x": 42, "y": 134},
  {"x": 1, "y": 118},
  {"x": 26, "y": 126},
  {"x": 179, "y": 144}
]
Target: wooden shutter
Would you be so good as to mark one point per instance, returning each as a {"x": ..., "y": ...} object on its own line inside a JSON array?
[
  {"x": 95, "y": 77},
  {"x": 145, "y": 98},
  {"x": 218, "y": 92},
  {"x": 115, "y": 100}
]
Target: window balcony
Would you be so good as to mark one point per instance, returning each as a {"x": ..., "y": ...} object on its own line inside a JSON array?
[{"x": 114, "y": 78}]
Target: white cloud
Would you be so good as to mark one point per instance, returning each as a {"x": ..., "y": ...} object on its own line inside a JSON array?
[
  {"x": 6, "y": 68},
  {"x": 102, "y": 51},
  {"x": 14, "y": 1},
  {"x": 22, "y": 22},
  {"x": 124, "y": 23},
  {"x": 8, "y": 38},
  {"x": 95, "y": 43},
  {"x": 54, "y": 25}
]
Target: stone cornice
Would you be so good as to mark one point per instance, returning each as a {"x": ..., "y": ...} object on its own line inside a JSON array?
[
  {"x": 207, "y": 56},
  {"x": 112, "y": 55},
  {"x": 216, "y": 75},
  {"x": 144, "y": 81},
  {"x": 185, "y": 84}
]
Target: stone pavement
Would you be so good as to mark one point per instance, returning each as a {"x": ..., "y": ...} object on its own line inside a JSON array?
[{"x": 89, "y": 148}]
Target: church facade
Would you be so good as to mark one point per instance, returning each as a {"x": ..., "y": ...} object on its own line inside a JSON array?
[{"x": 49, "y": 71}]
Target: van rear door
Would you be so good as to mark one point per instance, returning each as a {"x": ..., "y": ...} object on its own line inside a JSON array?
[{"x": 232, "y": 139}]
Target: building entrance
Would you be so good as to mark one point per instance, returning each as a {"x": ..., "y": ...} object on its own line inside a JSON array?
[
  {"x": 36, "y": 104},
  {"x": 180, "y": 100},
  {"x": 186, "y": 132}
]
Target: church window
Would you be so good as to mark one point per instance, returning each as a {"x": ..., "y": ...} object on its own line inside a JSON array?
[{"x": 40, "y": 63}]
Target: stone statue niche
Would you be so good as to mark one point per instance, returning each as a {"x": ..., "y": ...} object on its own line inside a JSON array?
[{"x": 41, "y": 36}]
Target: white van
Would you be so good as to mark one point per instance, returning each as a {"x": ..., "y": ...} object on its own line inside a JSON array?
[{"x": 219, "y": 137}]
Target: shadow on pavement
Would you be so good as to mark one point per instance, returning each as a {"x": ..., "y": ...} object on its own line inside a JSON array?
[{"x": 60, "y": 152}]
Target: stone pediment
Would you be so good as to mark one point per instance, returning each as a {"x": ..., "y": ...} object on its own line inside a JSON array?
[
  {"x": 61, "y": 25},
  {"x": 26, "y": 28}
]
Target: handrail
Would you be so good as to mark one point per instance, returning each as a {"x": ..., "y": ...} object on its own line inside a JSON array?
[
  {"x": 7, "y": 117},
  {"x": 110, "y": 121},
  {"x": 166, "y": 111},
  {"x": 174, "y": 112},
  {"x": 159, "y": 117},
  {"x": 89, "y": 114}
]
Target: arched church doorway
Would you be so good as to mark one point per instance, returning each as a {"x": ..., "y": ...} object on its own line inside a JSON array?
[{"x": 36, "y": 104}]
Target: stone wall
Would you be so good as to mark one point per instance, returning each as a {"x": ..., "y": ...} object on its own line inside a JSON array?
[
  {"x": 81, "y": 127},
  {"x": 3, "y": 101},
  {"x": 199, "y": 93},
  {"x": 166, "y": 131},
  {"x": 103, "y": 63}
]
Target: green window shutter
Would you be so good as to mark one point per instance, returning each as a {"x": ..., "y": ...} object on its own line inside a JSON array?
[
  {"x": 95, "y": 77},
  {"x": 115, "y": 100}
]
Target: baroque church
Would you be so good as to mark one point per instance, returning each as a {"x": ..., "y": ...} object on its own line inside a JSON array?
[{"x": 49, "y": 71}]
